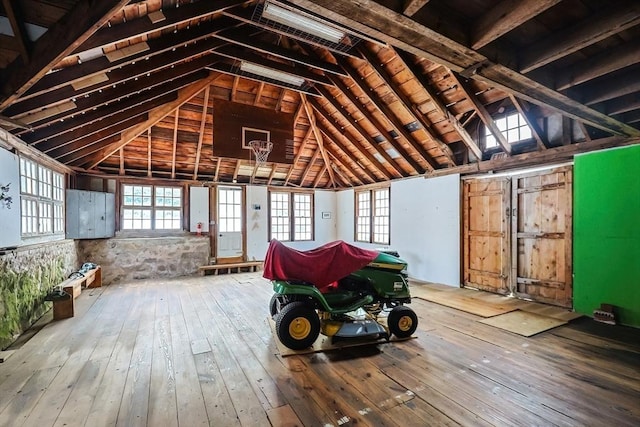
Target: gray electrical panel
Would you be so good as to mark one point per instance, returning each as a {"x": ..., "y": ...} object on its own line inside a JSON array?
[{"x": 90, "y": 214}]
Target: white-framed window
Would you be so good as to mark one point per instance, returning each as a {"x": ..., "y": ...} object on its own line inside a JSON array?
[
  {"x": 149, "y": 207},
  {"x": 512, "y": 126},
  {"x": 372, "y": 216},
  {"x": 291, "y": 215},
  {"x": 41, "y": 200}
]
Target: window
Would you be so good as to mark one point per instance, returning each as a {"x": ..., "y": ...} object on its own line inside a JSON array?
[
  {"x": 291, "y": 216},
  {"x": 147, "y": 207},
  {"x": 512, "y": 126},
  {"x": 41, "y": 200},
  {"x": 372, "y": 216}
]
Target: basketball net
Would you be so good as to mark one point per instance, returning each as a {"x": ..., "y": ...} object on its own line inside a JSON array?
[{"x": 261, "y": 150}]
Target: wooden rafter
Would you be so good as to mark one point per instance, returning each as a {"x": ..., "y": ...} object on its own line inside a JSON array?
[
  {"x": 605, "y": 62},
  {"x": 357, "y": 127},
  {"x": 203, "y": 121},
  {"x": 411, "y": 7},
  {"x": 303, "y": 144},
  {"x": 309, "y": 166},
  {"x": 59, "y": 40},
  {"x": 580, "y": 35},
  {"x": 216, "y": 174},
  {"x": 623, "y": 84},
  {"x": 439, "y": 105},
  {"x": 12, "y": 10},
  {"x": 155, "y": 116},
  {"x": 406, "y": 102},
  {"x": 536, "y": 130},
  {"x": 259, "y": 94},
  {"x": 283, "y": 91},
  {"x": 358, "y": 103},
  {"x": 344, "y": 165},
  {"x": 149, "y": 174},
  {"x": 386, "y": 111},
  {"x": 175, "y": 143},
  {"x": 312, "y": 122},
  {"x": 236, "y": 171},
  {"x": 483, "y": 113},
  {"x": 504, "y": 17},
  {"x": 377, "y": 20},
  {"x": 336, "y": 141},
  {"x": 234, "y": 88},
  {"x": 340, "y": 169},
  {"x": 121, "y": 155},
  {"x": 319, "y": 176},
  {"x": 363, "y": 151}
]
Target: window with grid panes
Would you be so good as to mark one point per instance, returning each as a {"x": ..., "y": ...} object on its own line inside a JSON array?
[
  {"x": 148, "y": 207},
  {"x": 291, "y": 216},
  {"x": 41, "y": 199},
  {"x": 512, "y": 126},
  {"x": 372, "y": 216}
]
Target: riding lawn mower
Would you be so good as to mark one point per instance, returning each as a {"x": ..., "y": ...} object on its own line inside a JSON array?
[{"x": 338, "y": 290}]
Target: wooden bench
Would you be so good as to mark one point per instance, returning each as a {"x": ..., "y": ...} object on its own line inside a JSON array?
[
  {"x": 64, "y": 308},
  {"x": 228, "y": 268}
]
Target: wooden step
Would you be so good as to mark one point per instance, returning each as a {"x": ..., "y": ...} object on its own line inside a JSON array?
[{"x": 239, "y": 267}]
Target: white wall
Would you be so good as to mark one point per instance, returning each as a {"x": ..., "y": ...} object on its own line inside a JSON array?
[
  {"x": 425, "y": 226},
  {"x": 258, "y": 222},
  {"x": 10, "y": 218}
]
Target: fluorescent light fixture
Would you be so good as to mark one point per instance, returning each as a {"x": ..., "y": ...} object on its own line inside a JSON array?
[
  {"x": 303, "y": 23},
  {"x": 272, "y": 74}
]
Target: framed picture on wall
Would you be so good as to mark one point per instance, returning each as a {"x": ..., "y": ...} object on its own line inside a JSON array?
[{"x": 326, "y": 215}]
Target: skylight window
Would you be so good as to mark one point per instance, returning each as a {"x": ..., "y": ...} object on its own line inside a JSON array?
[{"x": 513, "y": 127}]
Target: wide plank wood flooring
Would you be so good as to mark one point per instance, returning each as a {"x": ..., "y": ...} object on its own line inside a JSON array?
[{"x": 199, "y": 351}]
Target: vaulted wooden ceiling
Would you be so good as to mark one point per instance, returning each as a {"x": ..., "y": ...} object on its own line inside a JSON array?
[{"x": 128, "y": 87}]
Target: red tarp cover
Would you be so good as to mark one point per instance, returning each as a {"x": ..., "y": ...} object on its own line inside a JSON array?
[{"x": 321, "y": 266}]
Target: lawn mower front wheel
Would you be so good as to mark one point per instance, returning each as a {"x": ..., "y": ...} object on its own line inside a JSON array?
[
  {"x": 297, "y": 325},
  {"x": 402, "y": 321}
]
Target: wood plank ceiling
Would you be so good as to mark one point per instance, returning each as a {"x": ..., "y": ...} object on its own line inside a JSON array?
[{"x": 128, "y": 87}]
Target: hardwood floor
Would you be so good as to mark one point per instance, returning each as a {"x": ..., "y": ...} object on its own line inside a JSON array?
[{"x": 199, "y": 351}]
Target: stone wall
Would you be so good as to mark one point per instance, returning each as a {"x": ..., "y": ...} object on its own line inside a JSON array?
[
  {"x": 26, "y": 275},
  {"x": 126, "y": 259}
]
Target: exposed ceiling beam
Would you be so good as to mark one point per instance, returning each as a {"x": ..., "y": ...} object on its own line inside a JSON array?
[
  {"x": 165, "y": 63},
  {"x": 114, "y": 34},
  {"x": 379, "y": 21},
  {"x": 483, "y": 113},
  {"x": 406, "y": 102},
  {"x": 344, "y": 149},
  {"x": 81, "y": 133},
  {"x": 439, "y": 105},
  {"x": 621, "y": 105},
  {"x": 504, "y": 17},
  {"x": 175, "y": 143},
  {"x": 319, "y": 176},
  {"x": 580, "y": 35},
  {"x": 358, "y": 103},
  {"x": 538, "y": 133},
  {"x": 12, "y": 11},
  {"x": 362, "y": 133},
  {"x": 101, "y": 65},
  {"x": 203, "y": 121},
  {"x": 617, "y": 85},
  {"x": 316, "y": 132},
  {"x": 359, "y": 179},
  {"x": 343, "y": 171},
  {"x": 59, "y": 40},
  {"x": 11, "y": 123},
  {"x": 411, "y": 7},
  {"x": 607, "y": 61},
  {"x": 184, "y": 95},
  {"x": 309, "y": 166},
  {"x": 149, "y": 173},
  {"x": 296, "y": 159},
  {"x": 398, "y": 126}
]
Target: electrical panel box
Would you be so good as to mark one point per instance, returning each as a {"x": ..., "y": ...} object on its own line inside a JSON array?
[{"x": 90, "y": 214}]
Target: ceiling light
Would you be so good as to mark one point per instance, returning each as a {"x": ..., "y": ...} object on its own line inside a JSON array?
[
  {"x": 272, "y": 74},
  {"x": 300, "y": 22}
]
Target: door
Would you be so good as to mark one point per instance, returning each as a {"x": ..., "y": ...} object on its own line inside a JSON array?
[
  {"x": 230, "y": 220},
  {"x": 542, "y": 225},
  {"x": 517, "y": 235},
  {"x": 486, "y": 250}
]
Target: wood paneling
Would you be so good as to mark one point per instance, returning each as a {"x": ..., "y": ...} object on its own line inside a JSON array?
[{"x": 486, "y": 250}]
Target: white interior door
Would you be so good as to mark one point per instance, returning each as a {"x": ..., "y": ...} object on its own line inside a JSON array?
[{"x": 230, "y": 218}]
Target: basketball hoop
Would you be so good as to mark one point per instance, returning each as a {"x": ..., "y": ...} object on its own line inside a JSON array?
[{"x": 261, "y": 149}]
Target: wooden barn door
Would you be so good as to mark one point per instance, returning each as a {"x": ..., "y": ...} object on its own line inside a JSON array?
[
  {"x": 486, "y": 247},
  {"x": 541, "y": 235}
]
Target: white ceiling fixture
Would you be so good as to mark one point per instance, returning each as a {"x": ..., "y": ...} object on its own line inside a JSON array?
[
  {"x": 272, "y": 74},
  {"x": 297, "y": 20}
]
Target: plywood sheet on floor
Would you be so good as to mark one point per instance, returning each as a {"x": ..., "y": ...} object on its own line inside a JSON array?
[
  {"x": 462, "y": 301},
  {"x": 324, "y": 343},
  {"x": 523, "y": 323}
]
